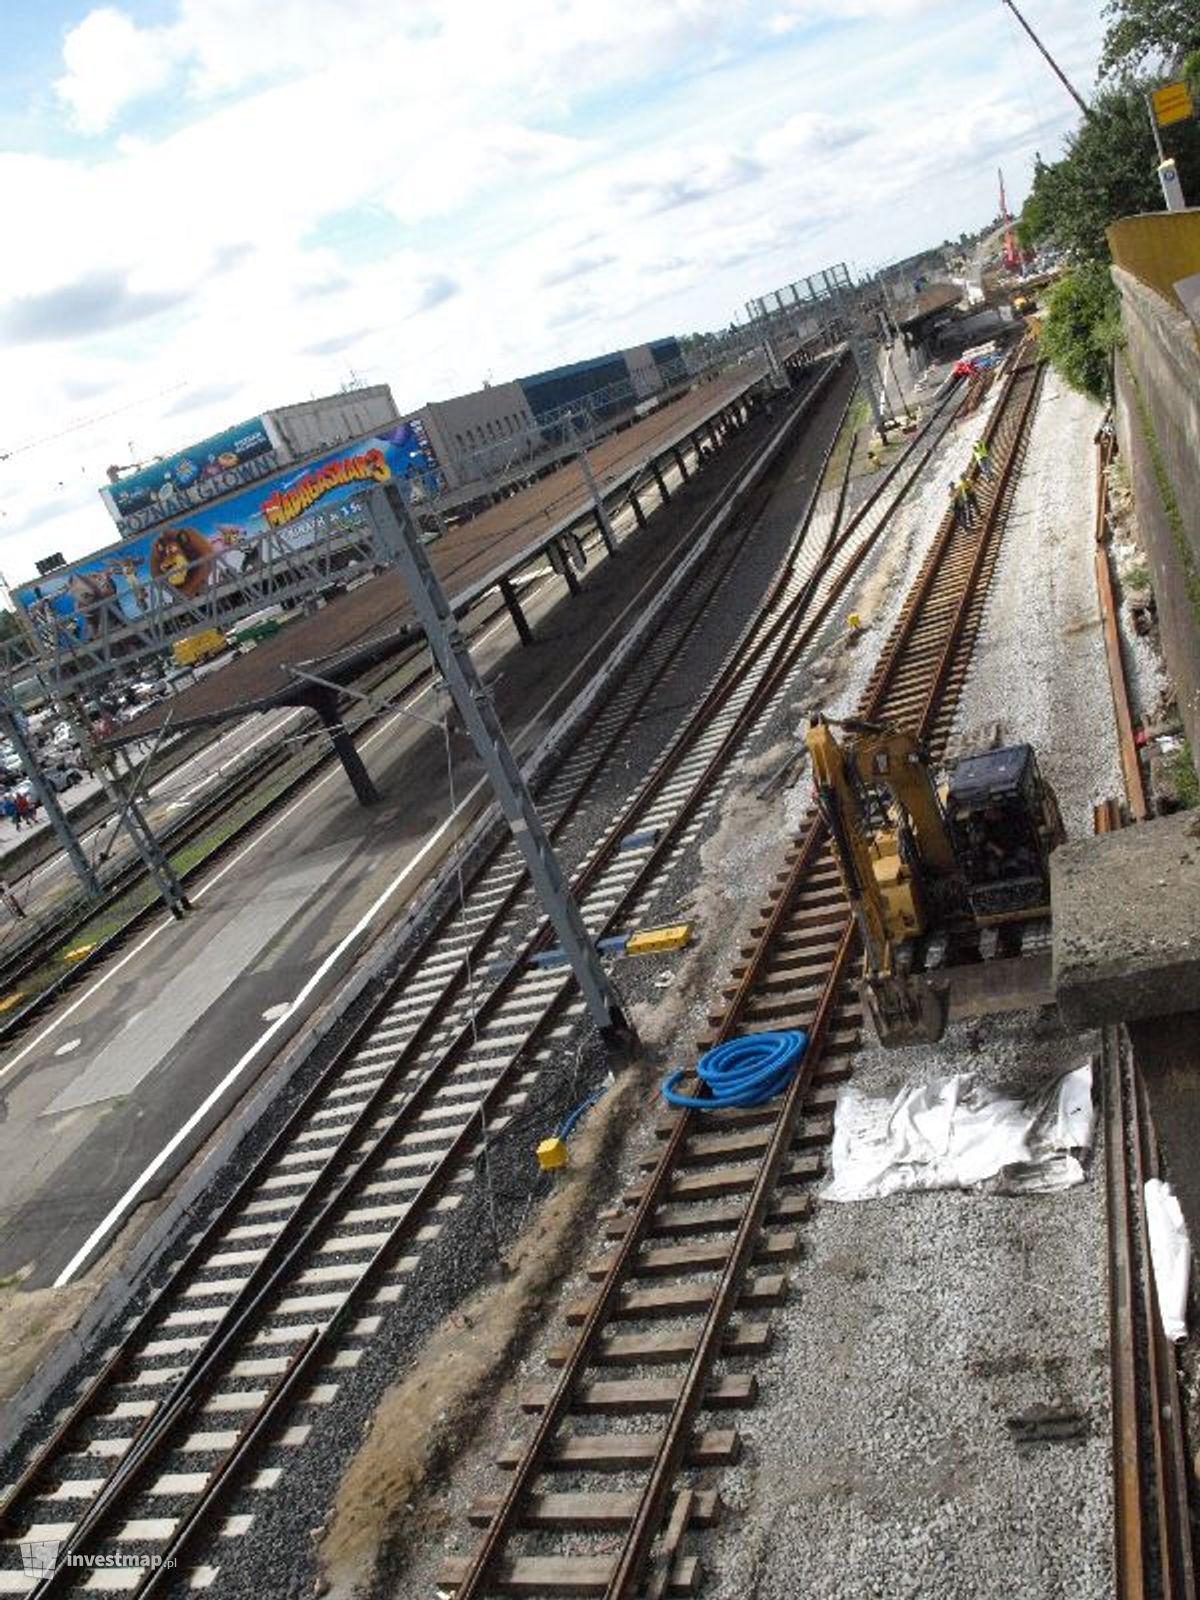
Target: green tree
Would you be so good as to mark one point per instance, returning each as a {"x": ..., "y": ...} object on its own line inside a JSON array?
[
  {"x": 1140, "y": 32},
  {"x": 1109, "y": 171},
  {"x": 1033, "y": 225},
  {"x": 1083, "y": 329}
]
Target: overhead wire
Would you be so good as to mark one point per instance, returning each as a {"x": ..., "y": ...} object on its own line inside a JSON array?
[{"x": 1015, "y": 43}]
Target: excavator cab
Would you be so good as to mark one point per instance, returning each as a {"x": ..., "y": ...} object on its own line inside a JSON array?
[{"x": 1003, "y": 822}]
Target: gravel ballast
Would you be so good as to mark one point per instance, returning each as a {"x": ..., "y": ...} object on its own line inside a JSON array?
[
  {"x": 1039, "y": 669},
  {"x": 879, "y": 1460}
]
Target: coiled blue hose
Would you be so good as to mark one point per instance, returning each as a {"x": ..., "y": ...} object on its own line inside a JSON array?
[{"x": 742, "y": 1072}]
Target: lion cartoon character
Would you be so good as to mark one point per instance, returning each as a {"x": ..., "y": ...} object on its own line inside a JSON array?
[{"x": 182, "y": 557}]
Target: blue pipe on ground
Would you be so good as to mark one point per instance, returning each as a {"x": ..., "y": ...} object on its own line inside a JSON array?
[
  {"x": 741, "y": 1072},
  {"x": 572, "y": 1117}
]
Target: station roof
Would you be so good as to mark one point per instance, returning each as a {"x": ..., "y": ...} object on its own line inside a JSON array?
[
  {"x": 376, "y": 619},
  {"x": 931, "y": 302}
]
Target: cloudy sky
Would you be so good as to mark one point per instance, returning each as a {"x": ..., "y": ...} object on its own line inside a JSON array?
[{"x": 217, "y": 206}]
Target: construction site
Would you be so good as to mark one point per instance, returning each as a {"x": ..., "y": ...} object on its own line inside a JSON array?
[{"x": 611, "y": 1005}]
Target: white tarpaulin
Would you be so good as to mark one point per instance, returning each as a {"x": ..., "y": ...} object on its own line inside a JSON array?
[{"x": 956, "y": 1133}]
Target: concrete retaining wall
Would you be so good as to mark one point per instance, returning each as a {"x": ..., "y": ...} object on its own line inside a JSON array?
[{"x": 1158, "y": 427}]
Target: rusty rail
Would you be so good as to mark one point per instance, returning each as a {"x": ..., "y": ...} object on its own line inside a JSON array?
[
  {"x": 1131, "y": 766},
  {"x": 951, "y": 630}
]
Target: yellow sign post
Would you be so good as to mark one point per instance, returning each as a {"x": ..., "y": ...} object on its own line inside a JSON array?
[{"x": 1172, "y": 103}]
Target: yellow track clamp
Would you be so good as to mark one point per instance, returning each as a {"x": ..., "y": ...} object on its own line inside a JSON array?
[{"x": 652, "y": 941}]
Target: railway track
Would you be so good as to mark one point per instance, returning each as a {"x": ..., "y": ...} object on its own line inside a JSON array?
[
  {"x": 284, "y": 1289},
  {"x": 1153, "y": 1554},
  {"x": 1153, "y": 1536},
  {"x": 699, "y": 1244},
  {"x": 24, "y": 966},
  {"x": 19, "y": 965}
]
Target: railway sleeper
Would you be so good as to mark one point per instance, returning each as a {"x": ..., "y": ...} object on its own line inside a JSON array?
[
  {"x": 671, "y": 1222},
  {"x": 566, "y": 1575},
  {"x": 732, "y": 1180},
  {"x": 595, "y": 1513},
  {"x": 666, "y": 1348},
  {"x": 819, "y": 1102},
  {"x": 736, "y": 1143},
  {"x": 789, "y": 965},
  {"x": 839, "y": 1041},
  {"x": 637, "y": 1396},
  {"x": 710, "y": 1257},
  {"x": 793, "y": 1008},
  {"x": 681, "y": 1299},
  {"x": 803, "y": 942},
  {"x": 829, "y": 922},
  {"x": 625, "y": 1452}
]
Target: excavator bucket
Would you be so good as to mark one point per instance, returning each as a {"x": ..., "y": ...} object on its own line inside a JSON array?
[{"x": 905, "y": 1010}]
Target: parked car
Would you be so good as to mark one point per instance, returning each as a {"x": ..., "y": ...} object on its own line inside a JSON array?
[
  {"x": 144, "y": 690},
  {"x": 63, "y": 776}
]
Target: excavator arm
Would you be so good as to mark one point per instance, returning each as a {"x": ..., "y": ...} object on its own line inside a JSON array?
[{"x": 883, "y": 772}]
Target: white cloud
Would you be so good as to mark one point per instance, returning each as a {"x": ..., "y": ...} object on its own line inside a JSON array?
[
  {"x": 431, "y": 192},
  {"x": 110, "y": 63}
]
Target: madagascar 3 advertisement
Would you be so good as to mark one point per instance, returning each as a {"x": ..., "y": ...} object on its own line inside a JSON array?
[{"x": 176, "y": 560}]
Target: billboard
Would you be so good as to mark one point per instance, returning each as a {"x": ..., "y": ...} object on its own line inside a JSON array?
[
  {"x": 175, "y": 561},
  {"x": 171, "y": 487}
]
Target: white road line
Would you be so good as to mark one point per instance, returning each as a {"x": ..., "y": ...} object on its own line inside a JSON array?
[
  {"x": 118, "y": 1211},
  {"x": 168, "y": 922},
  {"x": 122, "y": 1207}
]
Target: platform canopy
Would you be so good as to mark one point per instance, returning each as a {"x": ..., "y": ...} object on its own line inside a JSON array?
[{"x": 374, "y": 620}]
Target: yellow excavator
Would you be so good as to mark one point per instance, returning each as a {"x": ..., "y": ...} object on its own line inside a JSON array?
[{"x": 925, "y": 866}]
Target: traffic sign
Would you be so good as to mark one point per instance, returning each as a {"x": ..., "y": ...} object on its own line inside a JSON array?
[{"x": 1172, "y": 103}]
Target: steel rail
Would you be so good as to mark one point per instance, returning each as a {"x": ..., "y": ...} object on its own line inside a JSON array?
[
  {"x": 636, "y": 1545},
  {"x": 910, "y": 614},
  {"x": 361, "y": 1029},
  {"x": 1129, "y": 1489},
  {"x": 322, "y": 1203},
  {"x": 1131, "y": 767},
  {"x": 1152, "y": 1538},
  {"x": 994, "y": 519},
  {"x": 383, "y": 1144},
  {"x": 1176, "y": 1557},
  {"x": 163, "y": 1418},
  {"x": 190, "y": 827},
  {"x": 638, "y": 1536},
  {"x": 159, "y": 1426}
]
